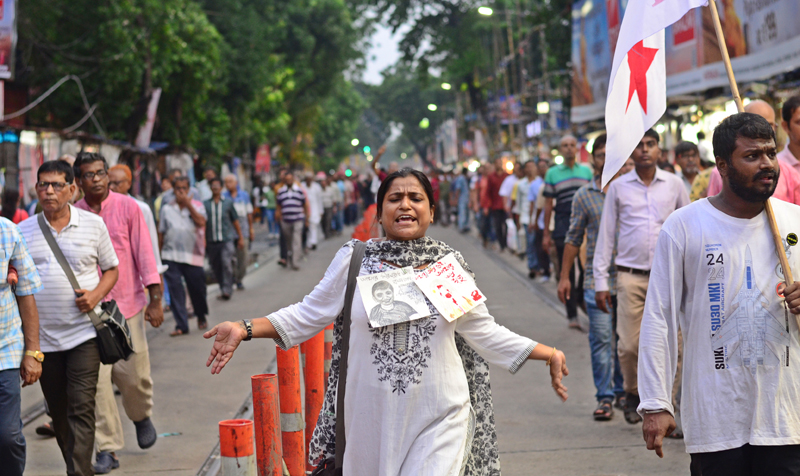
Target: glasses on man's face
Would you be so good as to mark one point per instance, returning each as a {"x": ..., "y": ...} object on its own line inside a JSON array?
[
  {"x": 57, "y": 186},
  {"x": 91, "y": 175}
]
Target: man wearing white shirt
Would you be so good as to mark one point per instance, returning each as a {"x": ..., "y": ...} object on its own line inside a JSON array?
[
  {"x": 720, "y": 282},
  {"x": 637, "y": 204},
  {"x": 790, "y": 113},
  {"x": 313, "y": 193}
]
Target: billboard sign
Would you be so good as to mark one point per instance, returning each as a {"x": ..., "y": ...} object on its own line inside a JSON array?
[
  {"x": 762, "y": 38},
  {"x": 8, "y": 37}
]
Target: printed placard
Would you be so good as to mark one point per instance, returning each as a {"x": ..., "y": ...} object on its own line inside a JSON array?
[
  {"x": 450, "y": 288},
  {"x": 392, "y": 297}
]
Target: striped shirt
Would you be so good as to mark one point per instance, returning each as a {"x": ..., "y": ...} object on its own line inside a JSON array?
[
  {"x": 15, "y": 252},
  {"x": 561, "y": 183},
  {"x": 221, "y": 215},
  {"x": 291, "y": 201},
  {"x": 587, "y": 209},
  {"x": 86, "y": 244}
]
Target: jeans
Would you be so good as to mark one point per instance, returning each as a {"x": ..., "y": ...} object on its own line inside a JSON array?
[
  {"x": 463, "y": 215},
  {"x": 499, "y": 226},
  {"x": 543, "y": 254},
  {"x": 603, "y": 344},
  {"x": 69, "y": 384},
  {"x": 196, "y": 284},
  {"x": 351, "y": 214},
  {"x": 273, "y": 226},
  {"x": 572, "y": 303},
  {"x": 530, "y": 248},
  {"x": 12, "y": 442}
]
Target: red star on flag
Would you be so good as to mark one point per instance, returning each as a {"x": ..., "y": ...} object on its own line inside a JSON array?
[{"x": 639, "y": 60}]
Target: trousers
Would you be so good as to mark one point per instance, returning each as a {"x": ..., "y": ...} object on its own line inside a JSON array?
[
  {"x": 195, "y": 279},
  {"x": 220, "y": 257},
  {"x": 12, "y": 442},
  {"x": 572, "y": 303},
  {"x": 293, "y": 234},
  {"x": 69, "y": 384},
  {"x": 132, "y": 377},
  {"x": 631, "y": 293},
  {"x": 242, "y": 255},
  {"x": 749, "y": 460}
]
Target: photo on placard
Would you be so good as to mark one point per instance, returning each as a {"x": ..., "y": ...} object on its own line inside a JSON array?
[{"x": 392, "y": 297}]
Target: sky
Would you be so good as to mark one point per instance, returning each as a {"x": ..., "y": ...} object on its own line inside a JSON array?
[{"x": 384, "y": 52}]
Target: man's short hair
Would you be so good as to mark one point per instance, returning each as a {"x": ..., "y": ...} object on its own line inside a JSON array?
[
  {"x": 56, "y": 167},
  {"x": 685, "y": 147},
  {"x": 124, "y": 169},
  {"x": 701, "y": 135},
  {"x": 174, "y": 171},
  {"x": 88, "y": 158},
  {"x": 381, "y": 285},
  {"x": 180, "y": 178},
  {"x": 215, "y": 180},
  {"x": 791, "y": 105},
  {"x": 743, "y": 124},
  {"x": 653, "y": 134},
  {"x": 599, "y": 142}
]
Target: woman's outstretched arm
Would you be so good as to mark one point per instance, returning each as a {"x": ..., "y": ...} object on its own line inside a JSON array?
[{"x": 228, "y": 337}]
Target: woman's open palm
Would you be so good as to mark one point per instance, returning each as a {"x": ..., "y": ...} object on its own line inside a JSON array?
[{"x": 229, "y": 335}]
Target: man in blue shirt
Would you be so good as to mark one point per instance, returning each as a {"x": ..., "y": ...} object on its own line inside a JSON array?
[{"x": 19, "y": 344}]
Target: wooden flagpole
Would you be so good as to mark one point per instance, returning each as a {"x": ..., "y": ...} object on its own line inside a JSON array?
[{"x": 776, "y": 235}]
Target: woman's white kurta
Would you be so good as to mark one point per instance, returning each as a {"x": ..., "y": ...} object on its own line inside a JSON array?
[{"x": 407, "y": 407}]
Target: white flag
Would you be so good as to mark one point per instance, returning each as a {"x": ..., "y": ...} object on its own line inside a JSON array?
[{"x": 637, "y": 91}]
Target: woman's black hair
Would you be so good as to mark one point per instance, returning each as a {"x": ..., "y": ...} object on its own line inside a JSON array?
[
  {"x": 10, "y": 199},
  {"x": 403, "y": 173}
]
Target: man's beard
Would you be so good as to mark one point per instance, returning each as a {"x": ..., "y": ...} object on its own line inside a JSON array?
[{"x": 737, "y": 183}]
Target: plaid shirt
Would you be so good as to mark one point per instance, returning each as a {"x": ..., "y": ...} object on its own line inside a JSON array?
[
  {"x": 14, "y": 251},
  {"x": 587, "y": 209}
]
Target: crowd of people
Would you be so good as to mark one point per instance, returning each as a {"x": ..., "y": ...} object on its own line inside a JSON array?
[{"x": 672, "y": 262}]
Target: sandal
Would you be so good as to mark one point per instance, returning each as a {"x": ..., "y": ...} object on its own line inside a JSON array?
[
  {"x": 604, "y": 411},
  {"x": 177, "y": 332},
  {"x": 202, "y": 325}
]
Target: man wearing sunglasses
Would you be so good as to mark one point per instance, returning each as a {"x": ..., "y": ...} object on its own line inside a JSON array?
[{"x": 137, "y": 269}]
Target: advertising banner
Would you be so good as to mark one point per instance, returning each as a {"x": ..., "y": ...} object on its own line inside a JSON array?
[
  {"x": 762, "y": 38},
  {"x": 8, "y": 37}
]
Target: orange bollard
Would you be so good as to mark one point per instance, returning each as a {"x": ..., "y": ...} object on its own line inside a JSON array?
[
  {"x": 236, "y": 448},
  {"x": 314, "y": 349},
  {"x": 328, "y": 349},
  {"x": 267, "y": 416},
  {"x": 292, "y": 427}
]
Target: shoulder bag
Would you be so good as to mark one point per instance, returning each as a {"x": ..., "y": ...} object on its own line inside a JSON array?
[
  {"x": 113, "y": 334},
  {"x": 333, "y": 466}
]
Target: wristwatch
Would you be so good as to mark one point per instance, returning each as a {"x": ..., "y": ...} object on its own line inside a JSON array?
[
  {"x": 249, "y": 327},
  {"x": 38, "y": 355}
]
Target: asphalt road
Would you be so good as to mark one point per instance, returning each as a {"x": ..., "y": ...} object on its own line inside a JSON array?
[{"x": 537, "y": 433}]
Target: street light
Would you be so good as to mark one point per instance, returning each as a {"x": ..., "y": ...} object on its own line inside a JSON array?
[
  {"x": 543, "y": 107},
  {"x": 446, "y": 86},
  {"x": 354, "y": 142},
  {"x": 432, "y": 107},
  {"x": 403, "y": 155},
  {"x": 485, "y": 11},
  {"x": 424, "y": 123}
]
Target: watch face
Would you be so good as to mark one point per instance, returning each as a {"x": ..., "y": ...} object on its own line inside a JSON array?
[{"x": 40, "y": 357}]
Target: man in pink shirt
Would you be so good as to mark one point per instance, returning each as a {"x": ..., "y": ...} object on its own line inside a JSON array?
[
  {"x": 791, "y": 124},
  {"x": 788, "y": 188},
  {"x": 137, "y": 270}
]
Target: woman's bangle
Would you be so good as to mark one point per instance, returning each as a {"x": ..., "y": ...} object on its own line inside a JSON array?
[{"x": 547, "y": 364}]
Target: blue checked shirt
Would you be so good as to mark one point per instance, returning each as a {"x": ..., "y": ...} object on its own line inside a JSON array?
[
  {"x": 14, "y": 250},
  {"x": 587, "y": 208}
]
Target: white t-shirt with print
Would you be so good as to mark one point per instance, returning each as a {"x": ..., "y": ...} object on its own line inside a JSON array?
[{"x": 716, "y": 276}]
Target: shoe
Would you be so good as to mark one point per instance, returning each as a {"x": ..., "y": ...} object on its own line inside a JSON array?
[
  {"x": 240, "y": 287},
  {"x": 145, "y": 433},
  {"x": 532, "y": 274},
  {"x": 46, "y": 429},
  {"x": 105, "y": 462},
  {"x": 631, "y": 404},
  {"x": 620, "y": 401},
  {"x": 224, "y": 297},
  {"x": 573, "y": 323},
  {"x": 543, "y": 279}
]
